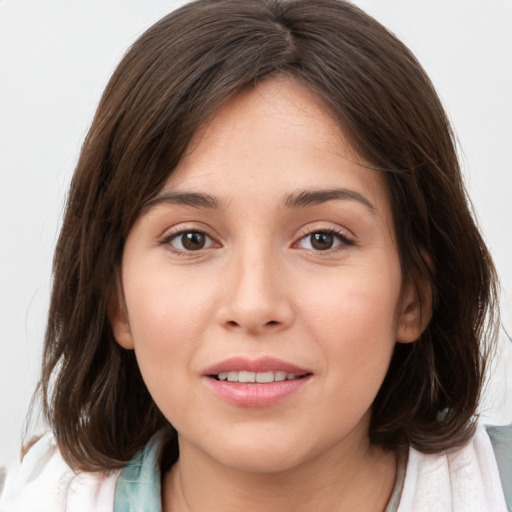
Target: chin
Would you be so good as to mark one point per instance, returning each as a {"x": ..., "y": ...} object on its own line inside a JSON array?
[
  {"x": 267, "y": 452},
  {"x": 262, "y": 460}
]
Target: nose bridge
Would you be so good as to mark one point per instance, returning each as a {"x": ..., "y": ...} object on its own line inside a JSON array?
[
  {"x": 255, "y": 277},
  {"x": 256, "y": 298}
]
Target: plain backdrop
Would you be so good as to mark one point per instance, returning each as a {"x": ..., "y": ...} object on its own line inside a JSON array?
[{"x": 55, "y": 59}]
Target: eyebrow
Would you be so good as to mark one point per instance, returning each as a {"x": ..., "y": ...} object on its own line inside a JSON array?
[
  {"x": 300, "y": 199},
  {"x": 305, "y": 198},
  {"x": 194, "y": 199}
]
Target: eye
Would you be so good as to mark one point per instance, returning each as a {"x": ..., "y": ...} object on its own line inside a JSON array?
[
  {"x": 191, "y": 240},
  {"x": 323, "y": 241}
]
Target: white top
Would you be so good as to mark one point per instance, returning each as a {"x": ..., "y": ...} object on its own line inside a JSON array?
[{"x": 463, "y": 480}]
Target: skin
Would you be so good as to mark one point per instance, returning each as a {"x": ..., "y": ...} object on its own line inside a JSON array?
[{"x": 259, "y": 287}]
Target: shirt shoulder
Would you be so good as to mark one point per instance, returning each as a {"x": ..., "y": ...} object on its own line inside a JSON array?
[
  {"x": 466, "y": 479},
  {"x": 501, "y": 440},
  {"x": 45, "y": 482}
]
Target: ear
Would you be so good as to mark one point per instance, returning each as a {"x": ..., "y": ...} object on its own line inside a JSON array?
[
  {"x": 119, "y": 320},
  {"x": 415, "y": 310}
]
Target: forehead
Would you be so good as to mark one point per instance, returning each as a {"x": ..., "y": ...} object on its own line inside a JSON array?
[{"x": 271, "y": 140}]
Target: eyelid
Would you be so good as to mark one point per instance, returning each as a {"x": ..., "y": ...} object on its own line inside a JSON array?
[
  {"x": 174, "y": 232},
  {"x": 345, "y": 239}
]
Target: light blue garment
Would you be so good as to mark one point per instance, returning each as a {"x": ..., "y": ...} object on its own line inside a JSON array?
[
  {"x": 501, "y": 439},
  {"x": 138, "y": 487},
  {"x": 2, "y": 479}
]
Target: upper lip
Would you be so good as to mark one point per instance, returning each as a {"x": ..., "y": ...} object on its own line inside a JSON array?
[{"x": 261, "y": 364}]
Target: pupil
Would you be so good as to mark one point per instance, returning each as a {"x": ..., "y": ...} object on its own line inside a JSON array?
[
  {"x": 193, "y": 240},
  {"x": 322, "y": 241}
]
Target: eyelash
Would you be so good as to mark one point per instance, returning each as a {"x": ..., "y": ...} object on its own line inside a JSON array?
[
  {"x": 342, "y": 238},
  {"x": 167, "y": 241}
]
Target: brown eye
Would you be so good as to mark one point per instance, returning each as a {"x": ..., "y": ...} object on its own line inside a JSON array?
[
  {"x": 193, "y": 240},
  {"x": 322, "y": 241},
  {"x": 190, "y": 241}
]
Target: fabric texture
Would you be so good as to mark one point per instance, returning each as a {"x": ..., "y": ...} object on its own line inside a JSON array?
[
  {"x": 465, "y": 480},
  {"x": 45, "y": 483},
  {"x": 501, "y": 439},
  {"x": 470, "y": 479},
  {"x": 138, "y": 487}
]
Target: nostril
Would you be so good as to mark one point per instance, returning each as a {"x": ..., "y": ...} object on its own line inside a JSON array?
[{"x": 272, "y": 322}]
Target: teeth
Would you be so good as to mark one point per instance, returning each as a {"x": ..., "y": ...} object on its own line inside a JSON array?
[
  {"x": 279, "y": 376},
  {"x": 263, "y": 377},
  {"x": 259, "y": 377},
  {"x": 246, "y": 377}
]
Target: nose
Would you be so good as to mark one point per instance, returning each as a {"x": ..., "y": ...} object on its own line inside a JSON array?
[{"x": 256, "y": 298}]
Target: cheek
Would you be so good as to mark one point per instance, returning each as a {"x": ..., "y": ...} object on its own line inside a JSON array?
[
  {"x": 354, "y": 302},
  {"x": 168, "y": 316},
  {"x": 165, "y": 339},
  {"x": 166, "y": 308},
  {"x": 355, "y": 324}
]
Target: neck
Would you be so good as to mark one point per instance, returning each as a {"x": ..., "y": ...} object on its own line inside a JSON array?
[{"x": 350, "y": 477}]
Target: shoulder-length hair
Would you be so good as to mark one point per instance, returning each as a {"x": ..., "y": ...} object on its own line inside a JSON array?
[{"x": 176, "y": 75}]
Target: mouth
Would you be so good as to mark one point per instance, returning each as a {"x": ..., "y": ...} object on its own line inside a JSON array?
[
  {"x": 263, "y": 370},
  {"x": 249, "y": 377},
  {"x": 260, "y": 383}
]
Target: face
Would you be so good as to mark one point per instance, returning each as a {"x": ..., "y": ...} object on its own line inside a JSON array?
[{"x": 262, "y": 288}]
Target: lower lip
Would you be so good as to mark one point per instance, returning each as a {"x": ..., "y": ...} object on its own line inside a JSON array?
[{"x": 255, "y": 395}]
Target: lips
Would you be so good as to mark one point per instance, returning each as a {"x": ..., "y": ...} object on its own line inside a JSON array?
[
  {"x": 255, "y": 383},
  {"x": 261, "y": 365}
]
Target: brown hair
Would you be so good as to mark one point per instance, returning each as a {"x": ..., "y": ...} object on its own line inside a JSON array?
[{"x": 179, "y": 72}]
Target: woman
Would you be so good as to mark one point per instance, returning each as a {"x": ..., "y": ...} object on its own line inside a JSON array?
[{"x": 269, "y": 289}]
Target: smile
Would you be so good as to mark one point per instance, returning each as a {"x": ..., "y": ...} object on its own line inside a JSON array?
[
  {"x": 257, "y": 377},
  {"x": 261, "y": 382}
]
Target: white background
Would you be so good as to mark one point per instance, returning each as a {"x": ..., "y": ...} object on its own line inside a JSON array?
[{"x": 55, "y": 59}]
